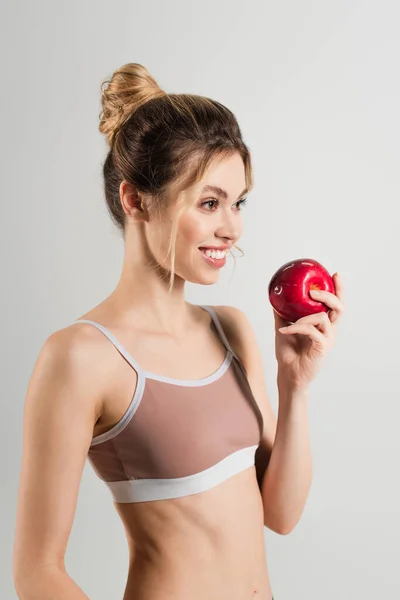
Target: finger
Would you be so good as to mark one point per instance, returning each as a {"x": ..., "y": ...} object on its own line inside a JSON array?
[
  {"x": 305, "y": 329},
  {"x": 331, "y": 300},
  {"x": 337, "y": 280},
  {"x": 320, "y": 320},
  {"x": 308, "y": 330},
  {"x": 334, "y": 316}
]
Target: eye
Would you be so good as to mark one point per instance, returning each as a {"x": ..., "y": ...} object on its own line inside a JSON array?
[
  {"x": 242, "y": 202},
  {"x": 239, "y": 203},
  {"x": 210, "y": 201}
]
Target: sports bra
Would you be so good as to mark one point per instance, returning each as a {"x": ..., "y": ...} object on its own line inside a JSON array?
[{"x": 179, "y": 437}]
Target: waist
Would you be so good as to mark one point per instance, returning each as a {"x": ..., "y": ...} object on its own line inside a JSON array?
[
  {"x": 211, "y": 538},
  {"x": 202, "y": 571}
]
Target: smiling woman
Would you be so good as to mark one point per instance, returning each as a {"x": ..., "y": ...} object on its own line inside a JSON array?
[
  {"x": 191, "y": 134},
  {"x": 165, "y": 398}
]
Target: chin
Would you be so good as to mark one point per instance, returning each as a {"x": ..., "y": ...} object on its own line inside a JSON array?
[
  {"x": 199, "y": 276},
  {"x": 201, "y": 273},
  {"x": 210, "y": 280}
]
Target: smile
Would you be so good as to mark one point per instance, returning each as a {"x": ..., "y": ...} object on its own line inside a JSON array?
[{"x": 214, "y": 258}]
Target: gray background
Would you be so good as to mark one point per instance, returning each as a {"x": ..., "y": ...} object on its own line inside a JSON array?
[{"x": 315, "y": 88}]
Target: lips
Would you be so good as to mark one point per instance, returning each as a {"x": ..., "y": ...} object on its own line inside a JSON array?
[{"x": 214, "y": 262}]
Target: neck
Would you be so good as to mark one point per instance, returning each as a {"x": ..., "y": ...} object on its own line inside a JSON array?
[{"x": 142, "y": 295}]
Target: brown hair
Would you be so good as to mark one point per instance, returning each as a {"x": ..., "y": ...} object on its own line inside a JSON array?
[{"x": 162, "y": 143}]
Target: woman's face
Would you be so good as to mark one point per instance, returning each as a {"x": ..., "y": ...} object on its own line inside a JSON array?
[{"x": 213, "y": 218}]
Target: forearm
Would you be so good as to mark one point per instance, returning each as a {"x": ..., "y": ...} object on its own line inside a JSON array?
[
  {"x": 287, "y": 480},
  {"x": 49, "y": 584}
]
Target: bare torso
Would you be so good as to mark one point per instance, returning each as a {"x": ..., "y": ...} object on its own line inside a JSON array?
[{"x": 204, "y": 546}]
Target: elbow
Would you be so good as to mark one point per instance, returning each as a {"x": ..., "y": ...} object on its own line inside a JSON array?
[
  {"x": 21, "y": 579},
  {"x": 285, "y": 530},
  {"x": 20, "y": 587},
  {"x": 18, "y": 579},
  {"x": 31, "y": 584},
  {"x": 281, "y": 522},
  {"x": 23, "y": 585},
  {"x": 280, "y": 528}
]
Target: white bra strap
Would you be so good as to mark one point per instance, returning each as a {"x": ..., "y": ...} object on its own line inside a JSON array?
[
  {"x": 218, "y": 325},
  {"x": 114, "y": 341}
]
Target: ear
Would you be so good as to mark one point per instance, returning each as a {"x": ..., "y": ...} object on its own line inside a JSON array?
[{"x": 132, "y": 201}]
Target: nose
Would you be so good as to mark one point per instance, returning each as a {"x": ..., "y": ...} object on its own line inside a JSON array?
[{"x": 230, "y": 225}]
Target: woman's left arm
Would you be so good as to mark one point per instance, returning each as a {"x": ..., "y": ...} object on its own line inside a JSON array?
[
  {"x": 287, "y": 480},
  {"x": 283, "y": 459},
  {"x": 300, "y": 350}
]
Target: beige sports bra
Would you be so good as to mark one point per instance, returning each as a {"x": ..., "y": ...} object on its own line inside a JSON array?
[{"x": 179, "y": 437}]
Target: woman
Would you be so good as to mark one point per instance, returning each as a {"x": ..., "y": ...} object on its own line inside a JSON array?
[{"x": 167, "y": 399}]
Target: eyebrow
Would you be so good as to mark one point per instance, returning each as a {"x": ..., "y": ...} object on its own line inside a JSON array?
[{"x": 219, "y": 191}]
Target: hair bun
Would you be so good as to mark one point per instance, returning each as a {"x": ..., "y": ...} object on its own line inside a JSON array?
[{"x": 129, "y": 87}]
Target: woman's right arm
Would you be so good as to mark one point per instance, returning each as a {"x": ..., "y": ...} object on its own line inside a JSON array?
[{"x": 62, "y": 405}]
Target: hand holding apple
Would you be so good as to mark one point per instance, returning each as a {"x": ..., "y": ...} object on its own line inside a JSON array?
[{"x": 301, "y": 346}]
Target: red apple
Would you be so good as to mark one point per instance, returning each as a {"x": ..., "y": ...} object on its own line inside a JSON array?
[{"x": 290, "y": 286}]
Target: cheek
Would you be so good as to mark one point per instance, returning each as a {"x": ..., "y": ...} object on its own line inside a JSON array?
[{"x": 193, "y": 230}]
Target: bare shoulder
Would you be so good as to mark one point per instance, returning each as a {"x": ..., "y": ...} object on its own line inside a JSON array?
[
  {"x": 243, "y": 339},
  {"x": 73, "y": 353}
]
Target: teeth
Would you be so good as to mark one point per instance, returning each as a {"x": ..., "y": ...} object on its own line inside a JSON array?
[{"x": 215, "y": 253}]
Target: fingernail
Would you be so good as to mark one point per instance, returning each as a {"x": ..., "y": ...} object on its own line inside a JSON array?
[{"x": 316, "y": 292}]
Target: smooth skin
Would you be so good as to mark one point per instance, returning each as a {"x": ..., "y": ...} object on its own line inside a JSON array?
[{"x": 202, "y": 546}]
